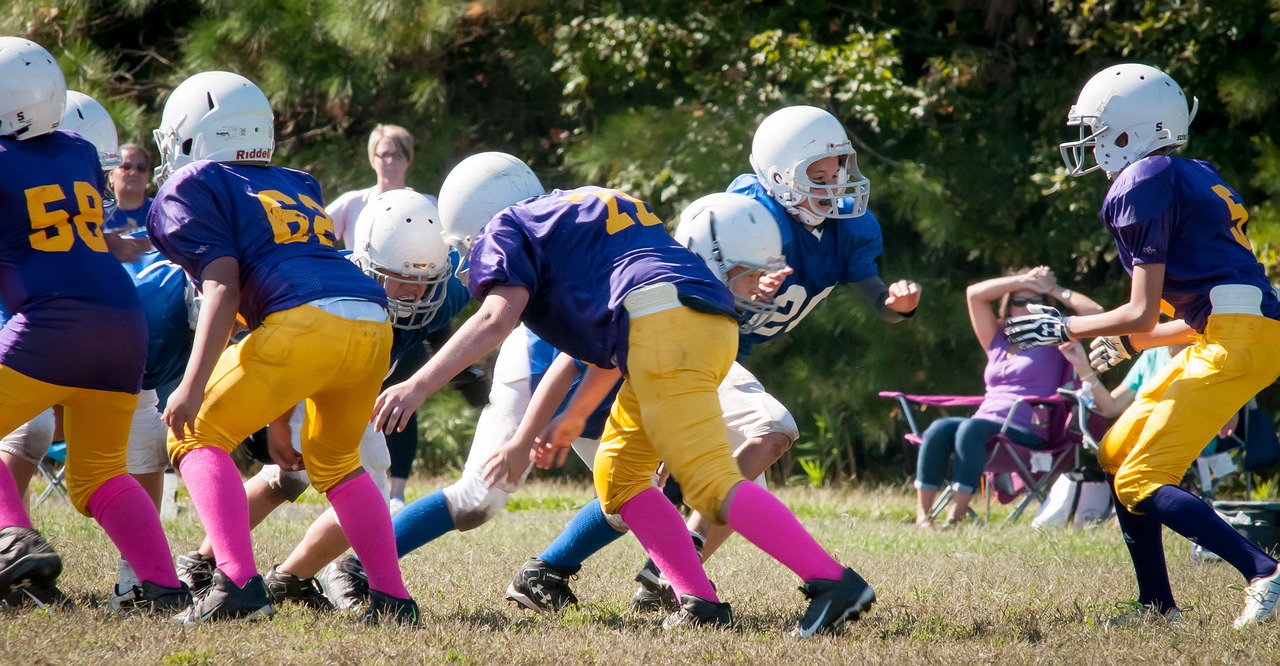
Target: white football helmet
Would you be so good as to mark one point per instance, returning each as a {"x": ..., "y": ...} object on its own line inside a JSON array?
[
  {"x": 216, "y": 116},
  {"x": 728, "y": 230},
  {"x": 479, "y": 188},
  {"x": 86, "y": 117},
  {"x": 398, "y": 239},
  {"x": 1126, "y": 112},
  {"x": 784, "y": 147},
  {"x": 33, "y": 91}
]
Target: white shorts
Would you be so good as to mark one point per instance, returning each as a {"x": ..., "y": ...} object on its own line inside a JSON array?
[
  {"x": 148, "y": 449},
  {"x": 373, "y": 456},
  {"x": 32, "y": 439}
]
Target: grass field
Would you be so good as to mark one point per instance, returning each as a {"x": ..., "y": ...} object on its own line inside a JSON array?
[{"x": 968, "y": 595}]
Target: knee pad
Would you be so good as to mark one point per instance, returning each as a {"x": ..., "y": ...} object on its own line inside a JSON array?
[
  {"x": 472, "y": 505},
  {"x": 289, "y": 485}
]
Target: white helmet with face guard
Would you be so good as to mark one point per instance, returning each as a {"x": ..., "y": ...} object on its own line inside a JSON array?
[
  {"x": 216, "y": 116},
  {"x": 86, "y": 117},
  {"x": 398, "y": 242},
  {"x": 479, "y": 188},
  {"x": 33, "y": 91},
  {"x": 729, "y": 231},
  {"x": 1126, "y": 112},
  {"x": 791, "y": 140}
]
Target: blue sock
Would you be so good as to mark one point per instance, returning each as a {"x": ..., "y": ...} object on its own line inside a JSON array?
[
  {"x": 423, "y": 520},
  {"x": 587, "y": 534},
  {"x": 1191, "y": 517},
  {"x": 1142, "y": 534}
]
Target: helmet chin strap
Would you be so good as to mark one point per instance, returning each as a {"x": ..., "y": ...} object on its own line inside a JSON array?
[{"x": 805, "y": 216}]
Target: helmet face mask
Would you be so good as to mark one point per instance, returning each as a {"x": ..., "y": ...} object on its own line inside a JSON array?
[
  {"x": 217, "y": 116},
  {"x": 792, "y": 141},
  {"x": 739, "y": 240},
  {"x": 33, "y": 91},
  {"x": 1125, "y": 113},
  {"x": 398, "y": 242}
]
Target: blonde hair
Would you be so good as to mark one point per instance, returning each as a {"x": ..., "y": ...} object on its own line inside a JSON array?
[{"x": 396, "y": 134}]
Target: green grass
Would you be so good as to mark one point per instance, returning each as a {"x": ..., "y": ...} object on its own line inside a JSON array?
[{"x": 968, "y": 595}]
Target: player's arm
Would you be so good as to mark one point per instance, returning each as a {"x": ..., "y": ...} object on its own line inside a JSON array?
[
  {"x": 556, "y": 439},
  {"x": 893, "y": 303},
  {"x": 1139, "y": 315},
  {"x": 220, "y": 284},
  {"x": 499, "y": 313},
  {"x": 509, "y": 461}
]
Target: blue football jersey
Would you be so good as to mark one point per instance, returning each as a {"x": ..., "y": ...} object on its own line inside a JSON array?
[{"x": 162, "y": 287}]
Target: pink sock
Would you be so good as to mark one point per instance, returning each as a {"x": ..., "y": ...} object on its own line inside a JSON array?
[
  {"x": 11, "y": 511},
  {"x": 768, "y": 524},
  {"x": 364, "y": 519},
  {"x": 127, "y": 515},
  {"x": 218, "y": 494},
  {"x": 658, "y": 527}
]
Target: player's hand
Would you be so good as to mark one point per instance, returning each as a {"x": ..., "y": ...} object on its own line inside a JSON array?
[
  {"x": 1043, "y": 327},
  {"x": 1107, "y": 352},
  {"x": 553, "y": 446},
  {"x": 126, "y": 248},
  {"x": 394, "y": 407},
  {"x": 181, "y": 410},
  {"x": 280, "y": 447},
  {"x": 506, "y": 465},
  {"x": 904, "y": 296},
  {"x": 770, "y": 283},
  {"x": 661, "y": 476}
]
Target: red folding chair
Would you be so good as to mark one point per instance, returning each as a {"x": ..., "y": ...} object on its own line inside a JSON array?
[{"x": 1012, "y": 470}]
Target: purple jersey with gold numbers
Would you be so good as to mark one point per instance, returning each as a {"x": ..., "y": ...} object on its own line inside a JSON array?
[
  {"x": 76, "y": 318},
  {"x": 579, "y": 253},
  {"x": 271, "y": 220},
  {"x": 1178, "y": 212}
]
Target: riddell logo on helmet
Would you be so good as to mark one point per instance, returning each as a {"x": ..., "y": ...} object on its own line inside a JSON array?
[{"x": 254, "y": 154}]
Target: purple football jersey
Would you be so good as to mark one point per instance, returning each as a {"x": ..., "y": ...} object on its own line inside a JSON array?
[
  {"x": 271, "y": 220},
  {"x": 1178, "y": 212},
  {"x": 579, "y": 253},
  {"x": 76, "y": 318}
]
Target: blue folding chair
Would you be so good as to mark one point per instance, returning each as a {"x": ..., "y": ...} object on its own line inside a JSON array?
[{"x": 53, "y": 467}]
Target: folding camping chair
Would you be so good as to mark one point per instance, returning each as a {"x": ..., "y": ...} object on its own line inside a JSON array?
[
  {"x": 53, "y": 467},
  {"x": 1251, "y": 447},
  {"x": 1011, "y": 470}
]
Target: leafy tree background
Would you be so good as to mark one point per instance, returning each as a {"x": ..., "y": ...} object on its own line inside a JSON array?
[{"x": 956, "y": 109}]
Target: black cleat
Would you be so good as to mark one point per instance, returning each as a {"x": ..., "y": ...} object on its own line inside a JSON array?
[
  {"x": 26, "y": 560},
  {"x": 149, "y": 598},
  {"x": 196, "y": 571},
  {"x": 42, "y": 597},
  {"x": 344, "y": 583},
  {"x": 282, "y": 587},
  {"x": 224, "y": 601},
  {"x": 832, "y": 602},
  {"x": 698, "y": 612},
  {"x": 541, "y": 587},
  {"x": 383, "y": 607},
  {"x": 655, "y": 592}
]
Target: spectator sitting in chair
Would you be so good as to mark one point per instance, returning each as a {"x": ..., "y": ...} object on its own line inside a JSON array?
[{"x": 1007, "y": 377}]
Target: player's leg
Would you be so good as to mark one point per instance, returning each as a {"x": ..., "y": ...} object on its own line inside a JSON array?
[
  {"x": 148, "y": 458},
  {"x": 22, "y": 450}
]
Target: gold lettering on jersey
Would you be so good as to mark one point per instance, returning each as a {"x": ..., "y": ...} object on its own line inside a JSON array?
[
  {"x": 618, "y": 220},
  {"x": 1239, "y": 216},
  {"x": 56, "y": 230}
]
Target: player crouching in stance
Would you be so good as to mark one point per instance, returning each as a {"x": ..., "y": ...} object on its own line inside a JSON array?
[
  {"x": 258, "y": 241},
  {"x": 70, "y": 299},
  {"x": 1180, "y": 233},
  {"x": 593, "y": 272}
]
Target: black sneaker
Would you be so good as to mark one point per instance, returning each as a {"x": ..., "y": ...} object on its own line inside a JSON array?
[
  {"x": 831, "y": 602},
  {"x": 698, "y": 612},
  {"x": 655, "y": 592},
  {"x": 224, "y": 601},
  {"x": 344, "y": 583},
  {"x": 282, "y": 587},
  {"x": 383, "y": 607},
  {"x": 43, "y": 597},
  {"x": 196, "y": 571},
  {"x": 150, "y": 598},
  {"x": 26, "y": 560},
  {"x": 541, "y": 587}
]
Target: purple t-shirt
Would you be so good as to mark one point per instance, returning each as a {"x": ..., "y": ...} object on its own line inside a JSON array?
[
  {"x": 1178, "y": 212},
  {"x": 271, "y": 220},
  {"x": 1035, "y": 373},
  {"x": 579, "y": 253},
  {"x": 76, "y": 318}
]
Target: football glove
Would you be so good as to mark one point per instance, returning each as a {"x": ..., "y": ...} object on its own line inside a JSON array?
[
  {"x": 1043, "y": 327},
  {"x": 1107, "y": 352}
]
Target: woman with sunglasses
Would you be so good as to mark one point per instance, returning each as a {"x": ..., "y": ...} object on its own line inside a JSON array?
[
  {"x": 1007, "y": 377},
  {"x": 126, "y": 223}
]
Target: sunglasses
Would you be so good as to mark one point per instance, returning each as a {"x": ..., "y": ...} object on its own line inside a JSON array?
[
  {"x": 133, "y": 166},
  {"x": 1023, "y": 300}
]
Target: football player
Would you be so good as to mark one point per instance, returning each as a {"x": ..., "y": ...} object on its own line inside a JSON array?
[
  {"x": 257, "y": 240},
  {"x": 594, "y": 273},
  {"x": 1180, "y": 232},
  {"x": 69, "y": 298}
]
